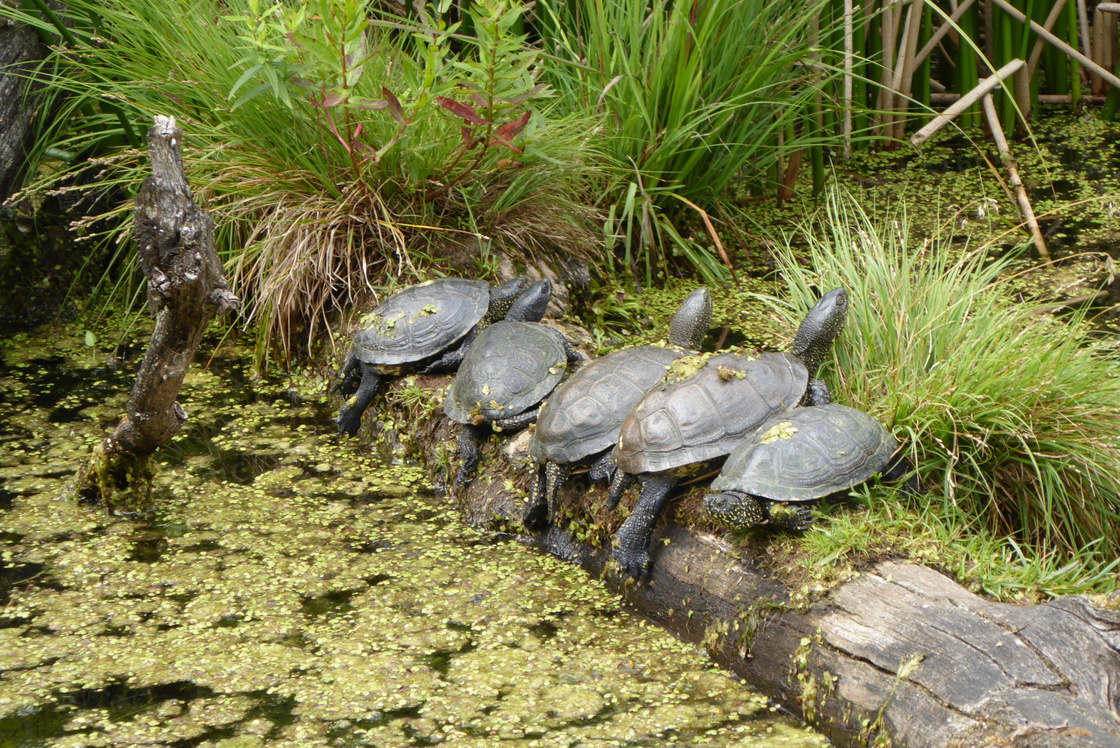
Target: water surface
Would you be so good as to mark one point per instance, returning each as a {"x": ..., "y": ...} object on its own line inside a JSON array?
[{"x": 293, "y": 590}]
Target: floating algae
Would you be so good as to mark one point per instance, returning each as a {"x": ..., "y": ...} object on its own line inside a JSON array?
[{"x": 292, "y": 590}]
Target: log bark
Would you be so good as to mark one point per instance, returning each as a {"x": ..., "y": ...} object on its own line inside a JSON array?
[
  {"x": 20, "y": 52},
  {"x": 900, "y": 653},
  {"x": 186, "y": 289}
]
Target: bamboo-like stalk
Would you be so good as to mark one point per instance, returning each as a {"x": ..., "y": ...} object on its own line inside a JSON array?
[
  {"x": 989, "y": 30},
  {"x": 849, "y": 46},
  {"x": 966, "y": 101},
  {"x": 1095, "y": 79},
  {"x": 1013, "y": 175},
  {"x": 948, "y": 98},
  {"x": 905, "y": 68},
  {"x": 967, "y": 77},
  {"x": 1055, "y": 12},
  {"x": 1109, "y": 7},
  {"x": 1083, "y": 22},
  {"x": 1107, "y": 76},
  {"x": 885, "y": 100},
  {"x": 942, "y": 30},
  {"x": 922, "y": 80},
  {"x": 1074, "y": 65}
]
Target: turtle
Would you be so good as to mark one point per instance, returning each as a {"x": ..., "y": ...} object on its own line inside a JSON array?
[
  {"x": 414, "y": 326},
  {"x": 703, "y": 417},
  {"x": 512, "y": 365},
  {"x": 795, "y": 458},
  {"x": 580, "y": 420}
]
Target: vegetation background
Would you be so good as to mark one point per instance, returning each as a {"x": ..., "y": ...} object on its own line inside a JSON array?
[{"x": 345, "y": 147}]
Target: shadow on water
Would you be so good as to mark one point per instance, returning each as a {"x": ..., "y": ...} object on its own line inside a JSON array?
[{"x": 34, "y": 727}]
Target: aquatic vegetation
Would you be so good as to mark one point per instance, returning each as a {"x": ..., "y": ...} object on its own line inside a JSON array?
[
  {"x": 292, "y": 589},
  {"x": 1011, "y": 414}
]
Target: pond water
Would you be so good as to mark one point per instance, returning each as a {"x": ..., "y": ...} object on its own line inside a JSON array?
[{"x": 292, "y": 590}]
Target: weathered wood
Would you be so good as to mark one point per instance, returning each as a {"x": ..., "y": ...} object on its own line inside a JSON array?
[
  {"x": 20, "y": 52},
  {"x": 973, "y": 672},
  {"x": 1013, "y": 176},
  {"x": 186, "y": 289}
]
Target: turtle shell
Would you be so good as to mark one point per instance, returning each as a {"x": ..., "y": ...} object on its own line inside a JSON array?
[
  {"x": 808, "y": 453},
  {"x": 584, "y": 414},
  {"x": 510, "y": 367},
  {"x": 705, "y": 416},
  {"x": 421, "y": 321}
]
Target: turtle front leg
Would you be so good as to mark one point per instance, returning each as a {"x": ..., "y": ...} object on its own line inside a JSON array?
[
  {"x": 795, "y": 516},
  {"x": 350, "y": 416},
  {"x": 734, "y": 510},
  {"x": 603, "y": 468},
  {"x": 555, "y": 475},
  {"x": 619, "y": 484},
  {"x": 816, "y": 393},
  {"x": 351, "y": 376},
  {"x": 469, "y": 452},
  {"x": 632, "y": 539},
  {"x": 536, "y": 514}
]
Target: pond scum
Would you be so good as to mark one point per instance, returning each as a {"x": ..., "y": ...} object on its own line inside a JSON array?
[{"x": 290, "y": 590}]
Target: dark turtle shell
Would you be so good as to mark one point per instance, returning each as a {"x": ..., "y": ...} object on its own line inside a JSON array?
[
  {"x": 510, "y": 367},
  {"x": 584, "y": 414},
  {"x": 705, "y": 416},
  {"x": 808, "y": 453},
  {"x": 421, "y": 321}
]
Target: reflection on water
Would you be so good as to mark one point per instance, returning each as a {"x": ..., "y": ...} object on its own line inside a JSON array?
[{"x": 292, "y": 591}]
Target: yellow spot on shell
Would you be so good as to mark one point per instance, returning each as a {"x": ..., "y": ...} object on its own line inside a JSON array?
[{"x": 783, "y": 430}]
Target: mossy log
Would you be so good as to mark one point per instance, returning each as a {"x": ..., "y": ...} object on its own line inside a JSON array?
[
  {"x": 20, "y": 52},
  {"x": 186, "y": 289},
  {"x": 899, "y": 652}
]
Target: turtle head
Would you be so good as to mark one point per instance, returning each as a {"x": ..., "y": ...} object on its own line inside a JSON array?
[
  {"x": 690, "y": 323},
  {"x": 503, "y": 296},
  {"x": 531, "y": 305},
  {"x": 820, "y": 328}
]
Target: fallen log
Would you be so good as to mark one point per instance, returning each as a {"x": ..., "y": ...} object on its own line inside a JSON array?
[
  {"x": 186, "y": 289},
  {"x": 899, "y": 652}
]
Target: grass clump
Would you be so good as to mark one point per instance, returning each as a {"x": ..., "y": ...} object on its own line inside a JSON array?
[
  {"x": 1012, "y": 416},
  {"x": 335, "y": 147}
]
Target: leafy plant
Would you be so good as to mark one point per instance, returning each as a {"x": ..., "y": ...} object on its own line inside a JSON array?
[
  {"x": 331, "y": 146},
  {"x": 1011, "y": 415}
]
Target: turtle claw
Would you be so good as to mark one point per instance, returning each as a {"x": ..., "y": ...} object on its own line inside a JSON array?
[
  {"x": 796, "y": 517},
  {"x": 634, "y": 561}
]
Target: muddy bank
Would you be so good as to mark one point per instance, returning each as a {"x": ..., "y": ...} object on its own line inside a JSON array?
[{"x": 897, "y": 650}]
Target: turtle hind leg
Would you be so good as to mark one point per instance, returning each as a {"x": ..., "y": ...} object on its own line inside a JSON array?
[
  {"x": 792, "y": 516},
  {"x": 447, "y": 362},
  {"x": 633, "y": 538},
  {"x": 469, "y": 452},
  {"x": 519, "y": 421},
  {"x": 350, "y": 416},
  {"x": 536, "y": 514}
]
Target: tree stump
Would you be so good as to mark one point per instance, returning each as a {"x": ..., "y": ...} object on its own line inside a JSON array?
[
  {"x": 20, "y": 52},
  {"x": 186, "y": 288}
]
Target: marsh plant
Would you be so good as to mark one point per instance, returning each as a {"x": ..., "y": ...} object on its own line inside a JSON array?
[
  {"x": 335, "y": 147},
  {"x": 1011, "y": 414},
  {"x": 696, "y": 96}
]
